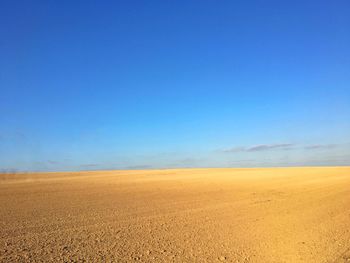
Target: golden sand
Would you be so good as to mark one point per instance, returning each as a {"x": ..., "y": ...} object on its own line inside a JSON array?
[{"x": 184, "y": 215}]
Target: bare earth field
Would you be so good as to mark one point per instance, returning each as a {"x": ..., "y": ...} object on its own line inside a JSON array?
[{"x": 187, "y": 215}]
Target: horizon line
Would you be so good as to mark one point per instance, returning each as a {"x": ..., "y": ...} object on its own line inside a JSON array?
[{"x": 178, "y": 168}]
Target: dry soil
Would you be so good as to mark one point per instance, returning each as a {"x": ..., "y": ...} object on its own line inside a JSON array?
[{"x": 184, "y": 215}]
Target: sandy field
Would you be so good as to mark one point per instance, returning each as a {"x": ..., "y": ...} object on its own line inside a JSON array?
[{"x": 184, "y": 215}]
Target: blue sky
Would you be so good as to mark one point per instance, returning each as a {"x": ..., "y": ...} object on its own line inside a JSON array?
[{"x": 156, "y": 84}]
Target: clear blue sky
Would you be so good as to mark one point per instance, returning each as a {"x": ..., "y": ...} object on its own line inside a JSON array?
[{"x": 148, "y": 84}]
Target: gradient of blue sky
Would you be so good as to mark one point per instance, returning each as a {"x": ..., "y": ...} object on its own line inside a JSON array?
[{"x": 132, "y": 84}]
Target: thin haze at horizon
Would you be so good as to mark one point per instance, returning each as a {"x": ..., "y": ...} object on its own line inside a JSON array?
[{"x": 168, "y": 84}]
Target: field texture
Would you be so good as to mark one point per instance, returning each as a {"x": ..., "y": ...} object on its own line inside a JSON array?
[{"x": 189, "y": 215}]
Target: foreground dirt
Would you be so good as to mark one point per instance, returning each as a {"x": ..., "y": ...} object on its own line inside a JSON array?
[{"x": 190, "y": 215}]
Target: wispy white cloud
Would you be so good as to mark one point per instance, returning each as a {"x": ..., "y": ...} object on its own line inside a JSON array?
[
  {"x": 260, "y": 147},
  {"x": 320, "y": 146}
]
